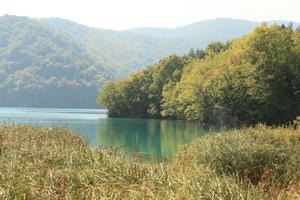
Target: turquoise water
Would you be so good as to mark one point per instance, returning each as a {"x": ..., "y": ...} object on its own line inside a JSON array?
[{"x": 159, "y": 138}]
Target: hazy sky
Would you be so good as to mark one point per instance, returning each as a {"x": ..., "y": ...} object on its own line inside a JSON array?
[{"x": 123, "y": 14}]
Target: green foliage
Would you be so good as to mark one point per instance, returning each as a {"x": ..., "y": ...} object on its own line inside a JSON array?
[
  {"x": 273, "y": 78},
  {"x": 140, "y": 95},
  {"x": 252, "y": 79},
  {"x": 199, "y": 53},
  {"x": 255, "y": 80},
  {"x": 39, "y": 66},
  {"x": 127, "y": 98},
  {"x": 216, "y": 47},
  {"x": 58, "y": 63}
]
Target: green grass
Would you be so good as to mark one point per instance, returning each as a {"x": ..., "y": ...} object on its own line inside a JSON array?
[{"x": 254, "y": 163}]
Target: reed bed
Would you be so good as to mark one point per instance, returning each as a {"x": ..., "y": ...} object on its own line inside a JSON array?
[{"x": 54, "y": 163}]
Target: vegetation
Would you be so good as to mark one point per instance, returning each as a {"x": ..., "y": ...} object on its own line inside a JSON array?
[
  {"x": 132, "y": 49},
  {"x": 58, "y": 63},
  {"x": 140, "y": 95},
  {"x": 53, "y": 163},
  {"x": 39, "y": 66},
  {"x": 297, "y": 122},
  {"x": 251, "y": 153},
  {"x": 252, "y": 79}
]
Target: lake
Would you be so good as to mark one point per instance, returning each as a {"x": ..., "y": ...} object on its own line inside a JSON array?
[{"x": 159, "y": 138}]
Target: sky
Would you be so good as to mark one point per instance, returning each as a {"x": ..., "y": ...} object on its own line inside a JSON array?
[{"x": 126, "y": 14}]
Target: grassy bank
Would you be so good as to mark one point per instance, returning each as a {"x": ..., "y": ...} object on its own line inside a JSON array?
[{"x": 255, "y": 163}]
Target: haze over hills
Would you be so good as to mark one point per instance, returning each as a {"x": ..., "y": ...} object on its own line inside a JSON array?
[
  {"x": 59, "y": 63},
  {"x": 39, "y": 66},
  {"x": 216, "y": 29},
  {"x": 132, "y": 49},
  {"x": 199, "y": 34},
  {"x": 221, "y": 28},
  {"x": 124, "y": 51}
]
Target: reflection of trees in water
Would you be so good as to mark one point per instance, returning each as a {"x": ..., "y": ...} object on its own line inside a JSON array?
[
  {"x": 174, "y": 134},
  {"x": 154, "y": 137}
]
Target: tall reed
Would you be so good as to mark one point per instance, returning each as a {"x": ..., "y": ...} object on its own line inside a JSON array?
[{"x": 55, "y": 163}]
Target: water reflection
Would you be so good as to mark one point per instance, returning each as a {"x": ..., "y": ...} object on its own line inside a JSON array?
[{"x": 161, "y": 138}]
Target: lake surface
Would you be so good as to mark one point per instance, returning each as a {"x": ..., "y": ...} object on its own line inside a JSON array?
[{"x": 159, "y": 138}]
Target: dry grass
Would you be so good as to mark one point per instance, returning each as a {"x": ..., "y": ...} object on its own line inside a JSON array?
[{"x": 39, "y": 163}]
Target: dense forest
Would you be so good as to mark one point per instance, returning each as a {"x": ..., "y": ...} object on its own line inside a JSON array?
[
  {"x": 39, "y": 66},
  {"x": 58, "y": 63},
  {"x": 255, "y": 78}
]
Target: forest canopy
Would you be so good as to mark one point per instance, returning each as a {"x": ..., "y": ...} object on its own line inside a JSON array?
[
  {"x": 255, "y": 78},
  {"x": 41, "y": 67}
]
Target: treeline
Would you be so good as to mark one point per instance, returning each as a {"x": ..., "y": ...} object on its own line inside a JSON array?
[{"x": 252, "y": 79}]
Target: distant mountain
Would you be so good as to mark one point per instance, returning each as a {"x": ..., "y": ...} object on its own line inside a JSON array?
[
  {"x": 125, "y": 51},
  {"x": 199, "y": 34},
  {"x": 39, "y": 66},
  {"x": 133, "y": 49},
  {"x": 210, "y": 30},
  {"x": 59, "y": 63}
]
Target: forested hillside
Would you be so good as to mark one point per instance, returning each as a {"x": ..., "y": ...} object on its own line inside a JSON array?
[
  {"x": 39, "y": 66},
  {"x": 252, "y": 79},
  {"x": 130, "y": 50},
  {"x": 121, "y": 50},
  {"x": 59, "y": 63}
]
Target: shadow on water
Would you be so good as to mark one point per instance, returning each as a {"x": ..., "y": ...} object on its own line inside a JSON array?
[{"x": 152, "y": 138}]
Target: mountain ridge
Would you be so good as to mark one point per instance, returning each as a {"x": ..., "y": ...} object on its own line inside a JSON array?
[
  {"x": 133, "y": 48},
  {"x": 60, "y": 63},
  {"x": 40, "y": 67}
]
